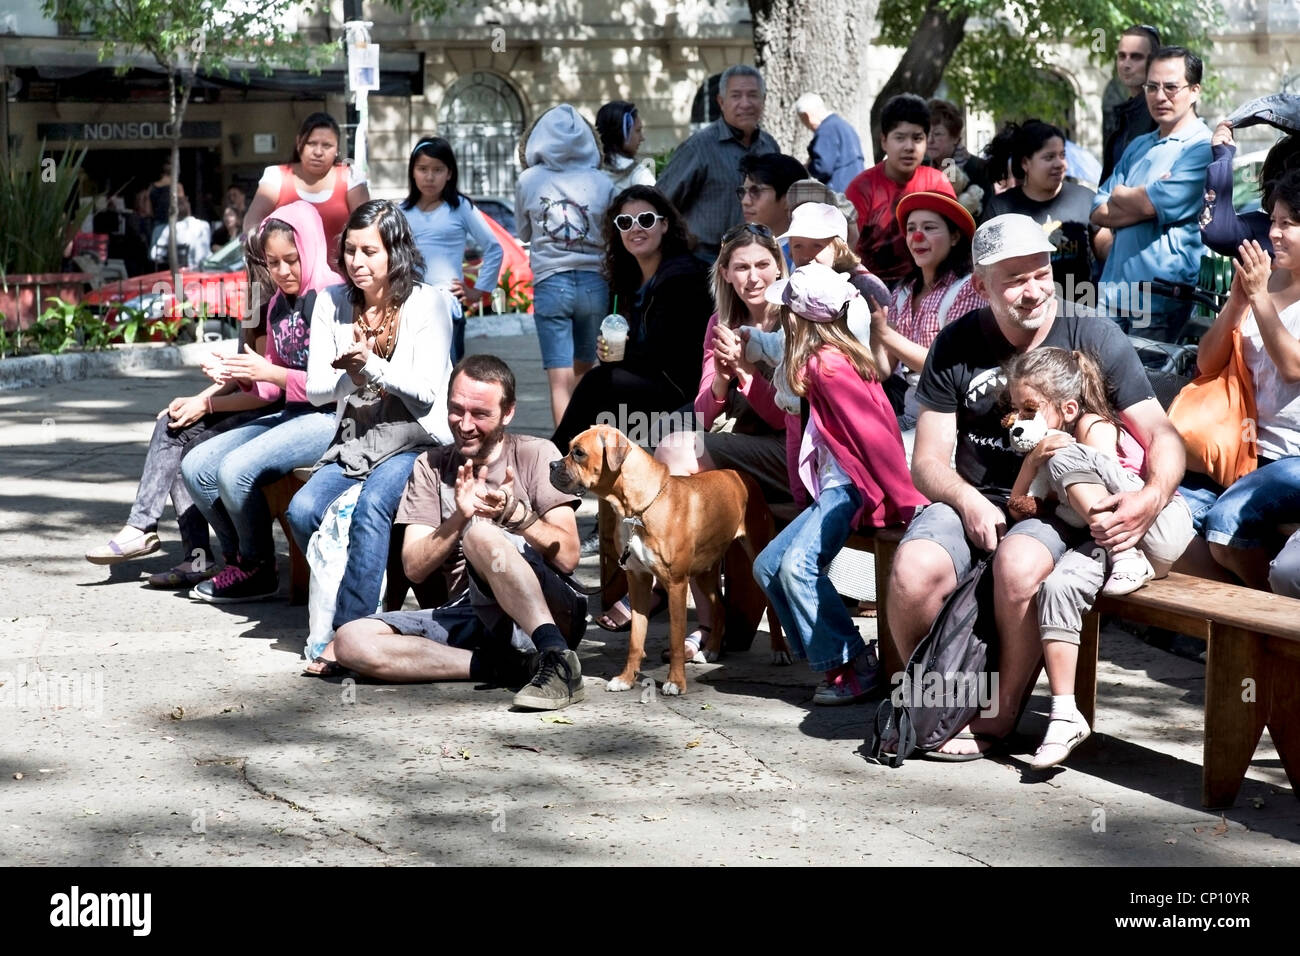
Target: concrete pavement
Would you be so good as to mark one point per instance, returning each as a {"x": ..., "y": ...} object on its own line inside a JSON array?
[{"x": 137, "y": 726}]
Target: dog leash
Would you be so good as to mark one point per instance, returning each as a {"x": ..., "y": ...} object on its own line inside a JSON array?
[{"x": 635, "y": 522}]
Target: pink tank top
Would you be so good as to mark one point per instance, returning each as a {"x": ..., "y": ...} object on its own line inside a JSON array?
[{"x": 333, "y": 212}]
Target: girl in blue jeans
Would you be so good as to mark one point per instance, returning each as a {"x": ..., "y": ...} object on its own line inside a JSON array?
[
  {"x": 851, "y": 462},
  {"x": 225, "y": 475},
  {"x": 381, "y": 349}
]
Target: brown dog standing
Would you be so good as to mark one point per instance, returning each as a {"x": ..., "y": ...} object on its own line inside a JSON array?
[{"x": 670, "y": 528}]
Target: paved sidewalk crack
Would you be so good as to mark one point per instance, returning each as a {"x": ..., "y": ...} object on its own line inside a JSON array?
[
  {"x": 731, "y": 740},
  {"x": 241, "y": 768}
]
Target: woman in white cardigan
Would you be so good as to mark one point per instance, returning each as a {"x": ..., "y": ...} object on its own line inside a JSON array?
[{"x": 381, "y": 351}]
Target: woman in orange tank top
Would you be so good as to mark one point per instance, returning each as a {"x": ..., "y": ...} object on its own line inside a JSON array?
[{"x": 315, "y": 175}]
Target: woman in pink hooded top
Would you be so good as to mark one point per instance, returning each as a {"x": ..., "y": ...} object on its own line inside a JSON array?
[
  {"x": 850, "y": 461},
  {"x": 225, "y": 475}
]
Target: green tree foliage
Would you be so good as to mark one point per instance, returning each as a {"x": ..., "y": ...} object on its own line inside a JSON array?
[
  {"x": 991, "y": 52},
  {"x": 188, "y": 38}
]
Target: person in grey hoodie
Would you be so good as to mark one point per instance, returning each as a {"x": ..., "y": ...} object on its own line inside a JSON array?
[{"x": 560, "y": 205}]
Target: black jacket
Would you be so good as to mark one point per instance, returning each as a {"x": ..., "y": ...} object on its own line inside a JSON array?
[{"x": 666, "y": 331}]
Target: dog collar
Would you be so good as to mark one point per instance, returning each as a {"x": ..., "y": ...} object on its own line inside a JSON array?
[{"x": 635, "y": 522}]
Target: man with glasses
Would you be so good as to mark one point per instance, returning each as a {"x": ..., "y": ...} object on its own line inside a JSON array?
[
  {"x": 767, "y": 180},
  {"x": 1124, "y": 113},
  {"x": 702, "y": 177},
  {"x": 1151, "y": 202}
]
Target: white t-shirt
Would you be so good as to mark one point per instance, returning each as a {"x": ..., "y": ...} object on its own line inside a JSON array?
[
  {"x": 273, "y": 178},
  {"x": 1277, "y": 403}
]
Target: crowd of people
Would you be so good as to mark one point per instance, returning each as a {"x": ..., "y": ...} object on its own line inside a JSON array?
[{"x": 851, "y": 340}]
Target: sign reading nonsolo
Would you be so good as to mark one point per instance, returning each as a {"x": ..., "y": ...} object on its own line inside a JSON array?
[{"x": 146, "y": 130}]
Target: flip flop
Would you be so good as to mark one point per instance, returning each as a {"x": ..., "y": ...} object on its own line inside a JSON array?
[
  {"x": 661, "y": 604},
  {"x": 328, "y": 669},
  {"x": 177, "y": 577},
  {"x": 963, "y": 758},
  {"x": 115, "y": 553}
]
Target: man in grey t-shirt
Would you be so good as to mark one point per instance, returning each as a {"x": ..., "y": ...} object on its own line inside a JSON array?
[{"x": 483, "y": 513}]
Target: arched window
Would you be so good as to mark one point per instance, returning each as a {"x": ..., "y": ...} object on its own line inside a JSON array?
[
  {"x": 705, "y": 108},
  {"x": 482, "y": 117}
]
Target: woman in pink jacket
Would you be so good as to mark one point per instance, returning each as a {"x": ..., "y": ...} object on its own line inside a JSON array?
[
  {"x": 851, "y": 463},
  {"x": 226, "y": 475}
]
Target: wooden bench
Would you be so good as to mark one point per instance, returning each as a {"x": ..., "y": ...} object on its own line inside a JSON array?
[
  {"x": 430, "y": 593},
  {"x": 1252, "y": 670},
  {"x": 278, "y": 495}
]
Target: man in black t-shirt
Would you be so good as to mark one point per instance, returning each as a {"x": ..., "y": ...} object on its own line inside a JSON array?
[{"x": 961, "y": 398}]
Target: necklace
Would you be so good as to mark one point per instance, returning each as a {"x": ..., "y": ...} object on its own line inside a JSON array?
[{"x": 382, "y": 333}]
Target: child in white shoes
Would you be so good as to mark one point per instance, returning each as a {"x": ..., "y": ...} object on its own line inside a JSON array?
[{"x": 1099, "y": 461}]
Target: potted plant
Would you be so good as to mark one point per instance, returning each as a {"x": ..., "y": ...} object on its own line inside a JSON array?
[{"x": 39, "y": 206}]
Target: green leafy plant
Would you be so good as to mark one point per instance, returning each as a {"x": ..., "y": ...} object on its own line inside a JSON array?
[
  {"x": 95, "y": 333},
  {"x": 56, "y": 329},
  {"x": 38, "y": 202},
  {"x": 131, "y": 322},
  {"x": 516, "y": 293},
  {"x": 168, "y": 328}
]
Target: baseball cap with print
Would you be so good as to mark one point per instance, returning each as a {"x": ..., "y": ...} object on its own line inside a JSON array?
[
  {"x": 814, "y": 292},
  {"x": 817, "y": 220},
  {"x": 1008, "y": 236}
]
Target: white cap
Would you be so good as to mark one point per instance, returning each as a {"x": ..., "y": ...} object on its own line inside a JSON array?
[
  {"x": 814, "y": 292},
  {"x": 1008, "y": 236},
  {"x": 817, "y": 220}
]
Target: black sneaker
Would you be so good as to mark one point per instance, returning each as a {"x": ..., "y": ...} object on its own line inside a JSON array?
[
  {"x": 557, "y": 683},
  {"x": 237, "y": 583}
]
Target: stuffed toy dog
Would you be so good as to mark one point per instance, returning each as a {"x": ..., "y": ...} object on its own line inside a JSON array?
[{"x": 1025, "y": 434}]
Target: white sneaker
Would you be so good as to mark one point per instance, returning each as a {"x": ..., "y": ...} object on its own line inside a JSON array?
[{"x": 1128, "y": 573}]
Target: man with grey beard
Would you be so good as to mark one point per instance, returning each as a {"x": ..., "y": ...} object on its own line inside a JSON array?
[{"x": 962, "y": 406}]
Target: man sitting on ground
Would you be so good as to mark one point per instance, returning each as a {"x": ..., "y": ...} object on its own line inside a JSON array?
[{"x": 483, "y": 513}]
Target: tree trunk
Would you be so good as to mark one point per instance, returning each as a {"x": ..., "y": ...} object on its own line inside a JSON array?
[
  {"x": 921, "y": 69},
  {"x": 811, "y": 48}
]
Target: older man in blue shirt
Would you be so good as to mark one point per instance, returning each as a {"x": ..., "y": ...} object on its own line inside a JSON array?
[{"x": 1152, "y": 199}]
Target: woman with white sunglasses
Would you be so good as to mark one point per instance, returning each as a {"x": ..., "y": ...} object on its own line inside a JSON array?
[{"x": 663, "y": 292}]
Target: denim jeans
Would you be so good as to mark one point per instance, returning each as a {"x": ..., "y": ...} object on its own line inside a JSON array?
[
  {"x": 568, "y": 308},
  {"x": 792, "y": 572},
  {"x": 162, "y": 476},
  {"x": 368, "y": 537},
  {"x": 1247, "y": 514},
  {"x": 226, "y": 474}
]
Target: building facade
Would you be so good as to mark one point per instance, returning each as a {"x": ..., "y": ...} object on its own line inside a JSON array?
[{"x": 479, "y": 76}]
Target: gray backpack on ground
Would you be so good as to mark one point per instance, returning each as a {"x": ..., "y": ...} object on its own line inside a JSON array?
[{"x": 949, "y": 678}]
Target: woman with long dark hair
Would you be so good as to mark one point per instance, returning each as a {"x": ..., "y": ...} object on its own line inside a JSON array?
[
  {"x": 381, "y": 350},
  {"x": 316, "y": 174},
  {"x": 663, "y": 292},
  {"x": 442, "y": 219},
  {"x": 1037, "y": 161},
  {"x": 621, "y": 132}
]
